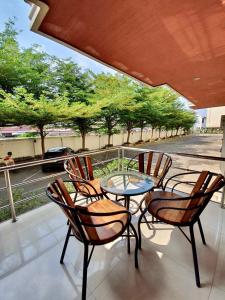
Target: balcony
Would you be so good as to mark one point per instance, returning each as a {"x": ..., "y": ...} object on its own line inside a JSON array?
[{"x": 31, "y": 248}]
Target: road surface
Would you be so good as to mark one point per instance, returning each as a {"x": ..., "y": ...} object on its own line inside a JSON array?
[{"x": 204, "y": 145}]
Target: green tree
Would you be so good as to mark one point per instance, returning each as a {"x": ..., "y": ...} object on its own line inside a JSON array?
[
  {"x": 22, "y": 108},
  {"x": 114, "y": 94},
  {"x": 69, "y": 78},
  {"x": 29, "y": 68}
]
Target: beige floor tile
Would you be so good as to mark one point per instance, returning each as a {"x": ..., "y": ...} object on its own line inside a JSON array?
[
  {"x": 31, "y": 248},
  {"x": 217, "y": 294},
  {"x": 157, "y": 278},
  {"x": 219, "y": 276}
]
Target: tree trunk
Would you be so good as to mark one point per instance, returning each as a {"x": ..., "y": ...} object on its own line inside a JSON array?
[
  {"x": 177, "y": 131},
  {"x": 141, "y": 136},
  {"x": 152, "y": 133},
  {"x": 159, "y": 132},
  {"x": 83, "y": 136},
  {"x": 109, "y": 138},
  {"x": 128, "y": 135},
  {"x": 41, "y": 132}
]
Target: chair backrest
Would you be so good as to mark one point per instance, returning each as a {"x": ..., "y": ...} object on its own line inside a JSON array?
[
  {"x": 80, "y": 171},
  {"x": 58, "y": 193},
  {"x": 80, "y": 166},
  {"x": 155, "y": 164},
  {"x": 206, "y": 185}
]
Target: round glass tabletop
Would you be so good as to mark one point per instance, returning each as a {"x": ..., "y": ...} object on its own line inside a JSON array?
[{"x": 127, "y": 183}]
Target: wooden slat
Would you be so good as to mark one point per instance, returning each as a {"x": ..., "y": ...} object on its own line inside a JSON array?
[
  {"x": 71, "y": 165},
  {"x": 149, "y": 163},
  {"x": 64, "y": 192},
  {"x": 156, "y": 171},
  {"x": 141, "y": 162},
  {"x": 216, "y": 183},
  {"x": 201, "y": 179},
  {"x": 89, "y": 167},
  {"x": 166, "y": 165},
  {"x": 80, "y": 168},
  {"x": 57, "y": 194}
]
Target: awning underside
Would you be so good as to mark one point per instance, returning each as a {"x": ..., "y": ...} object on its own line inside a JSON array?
[{"x": 179, "y": 43}]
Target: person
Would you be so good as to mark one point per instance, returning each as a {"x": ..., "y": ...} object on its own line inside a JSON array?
[{"x": 8, "y": 160}]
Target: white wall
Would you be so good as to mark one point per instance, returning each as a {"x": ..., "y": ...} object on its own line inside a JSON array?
[
  {"x": 30, "y": 147},
  {"x": 214, "y": 116}
]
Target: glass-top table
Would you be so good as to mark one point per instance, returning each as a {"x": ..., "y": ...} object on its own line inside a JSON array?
[{"x": 127, "y": 184}]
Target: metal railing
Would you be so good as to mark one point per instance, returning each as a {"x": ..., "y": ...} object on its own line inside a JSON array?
[{"x": 106, "y": 156}]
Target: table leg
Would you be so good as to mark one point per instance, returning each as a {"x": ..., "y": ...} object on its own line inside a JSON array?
[{"x": 127, "y": 205}]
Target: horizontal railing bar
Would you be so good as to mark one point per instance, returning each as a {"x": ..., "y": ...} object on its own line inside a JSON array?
[
  {"x": 55, "y": 159},
  {"x": 5, "y": 206},
  {"x": 29, "y": 198},
  {"x": 37, "y": 179},
  {"x": 61, "y": 158},
  {"x": 208, "y": 157},
  {"x": 51, "y": 176}
]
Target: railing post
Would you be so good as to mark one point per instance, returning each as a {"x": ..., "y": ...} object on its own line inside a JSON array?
[
  {"x": 10, "y": 195},
  {"x": 122, "y": 159},
  {"x": 118, "y": 168}
]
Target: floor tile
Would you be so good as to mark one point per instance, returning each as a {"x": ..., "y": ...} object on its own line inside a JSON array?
[{"x": 31, "y": 248}]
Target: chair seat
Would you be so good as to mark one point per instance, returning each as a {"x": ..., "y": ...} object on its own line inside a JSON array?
[
  {"x": 86, "y": 188},
  {"x": 106, "y": 233},
  {"x": 167, "y": 214}
]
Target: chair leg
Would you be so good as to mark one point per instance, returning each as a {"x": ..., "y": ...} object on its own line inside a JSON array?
[
  {"x": 201, "y": 232},
  {"x": 139, "y": 226},
  {"x": 65, "y": 245},
  {"x": 128, "y": 239},
  {"x": 85, "y": 267},
  {"x": 136, "y": 246},
  {"x": 195, "y": 258}
]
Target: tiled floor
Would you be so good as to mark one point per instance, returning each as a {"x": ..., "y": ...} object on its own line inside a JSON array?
[{"x": 30, "y": 269}]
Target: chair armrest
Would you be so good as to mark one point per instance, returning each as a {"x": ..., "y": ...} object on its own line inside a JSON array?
[
  {"x": 176, "y": 208},
  {"x": 85, "y": 213},
  {"x": 180, "y": 174},
  {"x": 103, "y": 224},
  {"x": 84, "y": 183},
  {"x": 105, "y": 214},
  {"x": 178, "y": 199}
]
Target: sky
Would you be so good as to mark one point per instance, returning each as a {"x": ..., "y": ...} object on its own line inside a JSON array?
[{"x": 20, "y": 10}]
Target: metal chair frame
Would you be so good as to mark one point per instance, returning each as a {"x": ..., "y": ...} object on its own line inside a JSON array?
[
  {"x": 85, "y": 173},
  {"x": 78, "y": 227},
  {"x": 197, "y": 209},
  {"x": 140, "y": 159}
]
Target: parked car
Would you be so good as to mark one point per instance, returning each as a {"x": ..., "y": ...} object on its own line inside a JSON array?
[{"x": 56, "y": 152}]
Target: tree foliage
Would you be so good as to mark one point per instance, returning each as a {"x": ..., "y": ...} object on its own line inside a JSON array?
[
  {"x": 39, "y": 90},
  {"x": 22, "y": 108}
]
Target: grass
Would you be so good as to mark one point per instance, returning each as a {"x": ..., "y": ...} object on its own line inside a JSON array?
[{"x": 21, "y": 206}]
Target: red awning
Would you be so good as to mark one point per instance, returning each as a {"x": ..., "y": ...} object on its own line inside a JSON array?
[{"x": 179, "y": 43}]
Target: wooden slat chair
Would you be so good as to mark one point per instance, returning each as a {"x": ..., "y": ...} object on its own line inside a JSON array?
[
  {"x": 81, "y": 168},
  {"x": 181, "y": 211},
  {"x": 155, "y": 164},
  {"x": 98, "y": 223}
]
